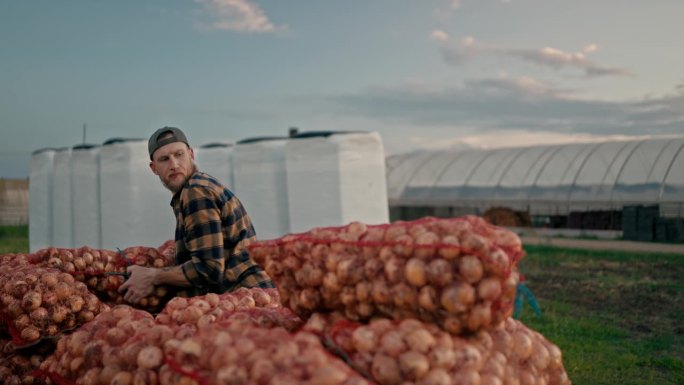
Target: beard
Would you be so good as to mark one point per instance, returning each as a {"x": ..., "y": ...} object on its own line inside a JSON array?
[{"x": 176, "y": 188}]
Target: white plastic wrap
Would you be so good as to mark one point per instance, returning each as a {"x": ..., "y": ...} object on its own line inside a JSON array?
[
  {"x": 216, "y": 160},
  {"x": 62, "y": 220},
  {"x": 85, "y": 187},
  {"x": 40, "y": 199},
  {"x": 335, "y": 180},
  {"x": 133, "y": 203},
  {"x": 261, "y": 185}
]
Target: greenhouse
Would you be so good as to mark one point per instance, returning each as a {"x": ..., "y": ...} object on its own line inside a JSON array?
[{"x": 592, "y": 185}]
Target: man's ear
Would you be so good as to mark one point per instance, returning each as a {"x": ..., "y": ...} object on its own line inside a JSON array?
[
  {"x": 154, "y": 169},
  {"x": 192, "y": 153}
]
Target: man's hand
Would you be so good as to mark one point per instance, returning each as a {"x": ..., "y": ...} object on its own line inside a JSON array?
[{"x": 140, "y": 284}]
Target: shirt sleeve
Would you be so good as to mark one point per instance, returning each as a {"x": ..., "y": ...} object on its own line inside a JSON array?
[{"x": 203, "y": 237}]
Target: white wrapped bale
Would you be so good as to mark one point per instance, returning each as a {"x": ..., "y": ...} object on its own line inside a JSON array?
[
  {"x": 62, "y": 219},
  {"x": 216, "y": 160},
  {"x": 261, "y": 184},
  {"x": 336, "y": 178},
  {"x": 85, "y": 187},
  {"x": 133, "y": 203},
  {"x": 40, "y": 199}
]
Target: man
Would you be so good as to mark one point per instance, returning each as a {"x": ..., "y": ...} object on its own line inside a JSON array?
[{"x": 212, "y": 229}]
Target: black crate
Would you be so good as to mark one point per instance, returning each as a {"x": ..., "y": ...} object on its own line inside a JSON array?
[{"x": 629, "y": 222}]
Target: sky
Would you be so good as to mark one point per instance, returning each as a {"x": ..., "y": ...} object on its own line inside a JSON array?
[{"x": 425, "y": 74}]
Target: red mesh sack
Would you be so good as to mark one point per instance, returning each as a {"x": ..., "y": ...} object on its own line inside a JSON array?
[
  {"x": 21, "y": 367},
  {"x": 103, "y": 270},
  {"x": 241, "y": 353},
  {"x": 459, "y": 273},
  {"x": 38, "y": 303},
  {"x": 97, "y": 352},
  {"x": 410, "y": 351},
  {"x": 262, "y": 305}
]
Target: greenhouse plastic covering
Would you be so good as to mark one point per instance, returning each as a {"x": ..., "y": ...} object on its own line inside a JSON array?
[{"x": 545, "y": 179}]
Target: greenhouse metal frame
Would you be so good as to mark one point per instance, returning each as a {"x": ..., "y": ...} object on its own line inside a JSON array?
[{"x": 543, "y": 180}]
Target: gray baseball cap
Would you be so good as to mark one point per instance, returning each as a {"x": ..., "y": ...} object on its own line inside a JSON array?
[{"x": 155, "y": 142}]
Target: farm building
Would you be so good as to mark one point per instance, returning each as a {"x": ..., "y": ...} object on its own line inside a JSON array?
[{"x": 633, "y": 186}]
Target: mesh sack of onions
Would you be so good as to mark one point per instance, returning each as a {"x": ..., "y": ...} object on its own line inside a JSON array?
[
  {"x": 261, "y": 305},
  {"x": 21, "y": 367},
  {"x": 122, "y": 346},
  {"x": 459, "y": 273},
  {"x": 413, "y": 352},
  {"x": 94, "y": 267},
  {"x": 38, "y": 303},
  {"x": 12, "y": 260},
  {"x": 241, "y": 353}
]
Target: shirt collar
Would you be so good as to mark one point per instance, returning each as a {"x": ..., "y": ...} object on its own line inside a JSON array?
[{"x": 176, "y": 196}]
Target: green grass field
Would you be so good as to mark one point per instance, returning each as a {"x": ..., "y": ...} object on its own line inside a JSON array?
[
  {"x": 618, "y": 317},
  {"x": 14, "y": 239}
]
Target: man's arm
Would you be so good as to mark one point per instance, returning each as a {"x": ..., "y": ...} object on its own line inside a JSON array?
[{"x": 142, "y": 281}]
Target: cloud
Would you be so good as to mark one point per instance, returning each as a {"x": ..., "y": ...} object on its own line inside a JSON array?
[
  {"x": 235, "y": 15},
  {"x": 461, "y": 51},
  {"x": 556, "y": 59},
  {"x": 457, "y": 53},
  {"x": 505, "y": 103},
  {"x": 438, "y": 35}
]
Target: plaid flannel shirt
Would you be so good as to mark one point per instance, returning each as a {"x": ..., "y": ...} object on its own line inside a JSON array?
[{"x": 212, "y": 234}]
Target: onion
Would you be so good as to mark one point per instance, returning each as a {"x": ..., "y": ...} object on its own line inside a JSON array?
[
  {"x": 439, "y": 273},
  {"x": 480, "y": 316},
  {"x": 403, "y": 246},
  {"x": 22, "y": 322},
  {"x": 522, "y": 346},
  {"x": 385, "y": 370},
  {"x": 394, "y": 270},
  {"x": 364, "y": 339},
  {"x": 404, "y": 296},
  {"x": 122, "y": 378},
  {"x": 75, "y": 303},
  {"x": 451, "y": 247},
  {"x": 420, "y": 340},
  {"x": 471, "y": 269},
  {"x": 442, "y": 357},
  {"x": 473, "y": 243},
  {"x": 150, "y": 357},
  {"x": 489, "y": 289},
  {"x": 415, "y": 272},
  {"x": 426, "y": 243},
  {"x": 30, "y": 334},
  {"x": 436, "y": 377},
  {"x": 31, "y": 300},
  {"x": 63, "y": 291},
  {"x": 59, "y": 313},
  {"x": 427, "y": 298},
  {"x": 50, "y": 280},
  {"x": 467, "y": 377},
  {"x": 414, "y": 365},
  {"x": 458, "y": 297},
  {"x": 39, "y": 316}
]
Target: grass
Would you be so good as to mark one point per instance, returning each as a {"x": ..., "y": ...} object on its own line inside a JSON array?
[
  {"x": 618, "y": 317},
  {"x": 14, "y": 239}
]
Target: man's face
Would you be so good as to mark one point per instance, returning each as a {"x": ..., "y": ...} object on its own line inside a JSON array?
[{"x": 173, "y": 163}]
